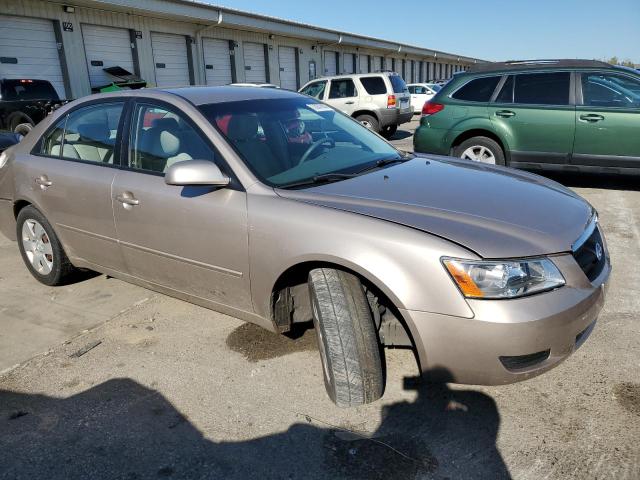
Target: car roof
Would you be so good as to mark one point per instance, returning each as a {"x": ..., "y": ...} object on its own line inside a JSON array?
[
  {"x": 537, "y": 65},
  {"x": 229, "y": 93}
]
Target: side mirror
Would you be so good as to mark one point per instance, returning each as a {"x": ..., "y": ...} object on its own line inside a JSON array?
[{"x": 195, "y": 172}]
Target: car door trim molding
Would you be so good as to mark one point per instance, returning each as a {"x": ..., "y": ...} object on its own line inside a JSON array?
[
  {"x": 196, "y": 263},
  {"x": 87, "y": 233}
]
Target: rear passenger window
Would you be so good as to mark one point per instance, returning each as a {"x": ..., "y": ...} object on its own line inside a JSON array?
[
  {"x": 542, "y": 88},
  {"x": 87, "y": 134},
  {"x": 374, "y": 85},
  {"x": 478, "y": 90},
  {"x": 342, "y": 89}
]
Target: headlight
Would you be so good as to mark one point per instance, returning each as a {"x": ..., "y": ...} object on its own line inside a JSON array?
[{"x": 503, "y": 279}]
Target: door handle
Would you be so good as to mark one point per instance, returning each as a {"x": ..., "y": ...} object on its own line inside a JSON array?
[
  {"x": 127, "y": 199},
  {"x": 44, "y": 182},
  {"x": 350, "y": 102},
  {"x": 591, "y": 117},
  {"x": 505, "y": 113}
]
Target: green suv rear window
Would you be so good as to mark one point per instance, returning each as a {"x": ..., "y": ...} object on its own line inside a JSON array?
[{"x": 478, "y": 90}]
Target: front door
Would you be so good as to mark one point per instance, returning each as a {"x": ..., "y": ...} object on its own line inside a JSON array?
[
  {"x": 536, "y": 115},
  {"x": 70, "y": 178},
  {"x": 193, "y": 240},
  {"x": 608, "y": 120}
]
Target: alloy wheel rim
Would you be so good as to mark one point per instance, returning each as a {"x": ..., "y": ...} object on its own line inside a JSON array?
[
  {"x": 37, "y": 246},
  {"x": 478, "y": 153},
  {"x": 366, "y": 123}
]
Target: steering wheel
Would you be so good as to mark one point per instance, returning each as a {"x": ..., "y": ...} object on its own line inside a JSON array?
[{"x": 328, "y": 141}]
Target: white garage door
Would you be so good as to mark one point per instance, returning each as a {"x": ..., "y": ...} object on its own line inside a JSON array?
[
  {"x": 106, "y": 47},
  {"x": 330, "y": 67},
  {"x": 364, "y": 64},
  {"x": 288, "y": 68},
  {"x": 170, "y": 59},
  {"x": 28, "y": 49},
  {"x": 254, "y": 65},
  {"x": 349, "y": 63},
  {"x": 377, "y": 64},
  {"x": 217, "y": 61}
]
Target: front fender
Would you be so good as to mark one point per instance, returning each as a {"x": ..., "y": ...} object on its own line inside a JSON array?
[{"x": 402, "y": 262}]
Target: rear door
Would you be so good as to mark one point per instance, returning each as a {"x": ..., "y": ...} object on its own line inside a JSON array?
[
  {"x": 254, "y": 63},
  {"x": 607, "y": 120},
  {"x": 70, "y": 180},
  {"x": 217, "y": 61},
  {"x": 192, "y": 240},
  {"x": 28, "y": 50},
  {"x": 106, "y": 47},
  {"x": 343, "y": 95},
  {"x": 535, "y": 113},
  {"x": 171, "y": 59},
  {"x": 288, "y": 68}
]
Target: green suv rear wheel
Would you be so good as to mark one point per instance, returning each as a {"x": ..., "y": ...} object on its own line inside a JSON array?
[{"x": 480, "y": 149}]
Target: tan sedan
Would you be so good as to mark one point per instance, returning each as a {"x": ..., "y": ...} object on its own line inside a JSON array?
[{"x": 271, "y": 206}]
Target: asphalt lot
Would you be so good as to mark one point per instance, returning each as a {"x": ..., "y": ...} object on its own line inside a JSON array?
[{"x": 176, "y": 391}]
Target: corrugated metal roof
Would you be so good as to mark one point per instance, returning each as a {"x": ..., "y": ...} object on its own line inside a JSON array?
[{"x": 238, "y": 18}]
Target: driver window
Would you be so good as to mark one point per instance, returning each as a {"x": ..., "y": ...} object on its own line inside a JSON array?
[
  {"x": 343, "y": 88},
  {"x": 161, "y": 137}
]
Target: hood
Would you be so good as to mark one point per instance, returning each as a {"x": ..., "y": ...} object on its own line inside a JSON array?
[{"x": 494, "y": 211}]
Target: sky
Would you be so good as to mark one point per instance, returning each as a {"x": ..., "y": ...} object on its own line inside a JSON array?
[{"x": 486, "y": 29}]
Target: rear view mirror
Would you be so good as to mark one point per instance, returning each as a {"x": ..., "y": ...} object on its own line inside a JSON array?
[{"x": 195, "y": 172}]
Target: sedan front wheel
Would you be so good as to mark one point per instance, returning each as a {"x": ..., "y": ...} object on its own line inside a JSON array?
[{"x": 347, "y": 338}]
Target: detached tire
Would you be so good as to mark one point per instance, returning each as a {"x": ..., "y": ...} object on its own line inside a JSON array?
[
  {"x": 40, "y": 248},
  {"x": 349, "y": 347},
  {"x": 370, "y": 122},
  {"x": 23, "y": 129},
  {"x": 481, "y": 150}
]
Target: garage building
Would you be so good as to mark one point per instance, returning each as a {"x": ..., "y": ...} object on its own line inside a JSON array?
[{"x": 184, "y": 42}]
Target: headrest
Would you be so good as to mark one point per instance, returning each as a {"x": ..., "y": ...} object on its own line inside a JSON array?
[
  {"x": 169, "y": 143},
  {"x": 170, "y": 124},
  {"x": 243, "y": 127},
  {"x": 94, "y": 132}
]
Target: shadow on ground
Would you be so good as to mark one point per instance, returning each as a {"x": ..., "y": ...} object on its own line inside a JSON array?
[
  {"x": 123, "y": 430},
  {"x": 401, "y": 134}
]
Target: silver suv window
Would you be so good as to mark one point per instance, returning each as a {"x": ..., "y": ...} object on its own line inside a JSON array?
[
  {"x": 374, "y": 85},
  {"x": 342, "y": 88},
  {"x": 398, "y": 84},
  {"x": 315, "y": 89}
]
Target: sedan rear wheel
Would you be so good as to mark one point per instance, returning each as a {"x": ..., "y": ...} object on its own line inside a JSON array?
[
  {"x": 480, "y": 149},
  {"x": 40, "y": 248},
  {"x": 347, "y": 339}
]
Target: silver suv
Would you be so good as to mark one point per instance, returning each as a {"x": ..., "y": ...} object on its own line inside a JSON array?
[{"x": 379, "y": 101}]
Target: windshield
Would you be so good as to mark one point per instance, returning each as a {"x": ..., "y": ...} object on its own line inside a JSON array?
[
  {"x": 28, "y": 90},
  {"x": 285, "y": 141}
]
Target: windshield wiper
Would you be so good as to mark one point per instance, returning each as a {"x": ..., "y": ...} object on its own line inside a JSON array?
[
  {"x": 383, "y": 162},
  {"x": 324, "y": 178}
]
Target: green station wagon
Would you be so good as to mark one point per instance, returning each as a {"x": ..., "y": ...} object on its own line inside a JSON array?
[{"x": 579, "y": 115}]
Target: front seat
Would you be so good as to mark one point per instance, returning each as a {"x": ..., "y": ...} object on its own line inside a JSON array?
[
  {"x": 162, "y": 145},
  {"x": 243, "y": 132}
]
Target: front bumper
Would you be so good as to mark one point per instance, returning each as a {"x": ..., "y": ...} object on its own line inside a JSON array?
[{"x": 510, "y": 340}]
